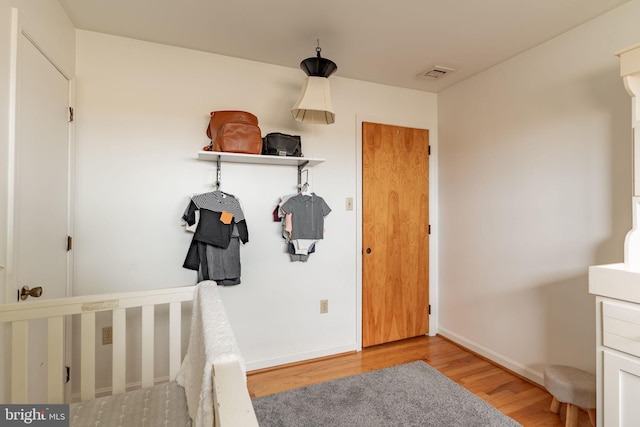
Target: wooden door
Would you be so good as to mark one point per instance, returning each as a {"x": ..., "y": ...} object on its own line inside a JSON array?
[
  {"x": 395, "y": 235},
  {"x": 41, "y": 198}
]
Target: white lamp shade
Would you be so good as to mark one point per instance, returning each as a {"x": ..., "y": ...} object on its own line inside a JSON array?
[{"x": 314, "y": 104}]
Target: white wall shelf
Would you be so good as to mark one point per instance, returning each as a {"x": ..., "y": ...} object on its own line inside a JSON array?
[{"x": 213, "y": 156}]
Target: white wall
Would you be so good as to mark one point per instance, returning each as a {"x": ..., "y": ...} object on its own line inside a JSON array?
[
  {"x": 141, "y": 113},
  {"x": 535, "y": 186},
  {"x": 48, "y": 26}
]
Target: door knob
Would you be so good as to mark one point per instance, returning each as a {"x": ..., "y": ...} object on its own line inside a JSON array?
[
  {"x": 26, "y": 292},
  {"x": 368, "y": 250}
]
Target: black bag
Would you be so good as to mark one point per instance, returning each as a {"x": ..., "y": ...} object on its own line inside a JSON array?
[{"x": 280, "y": 144}]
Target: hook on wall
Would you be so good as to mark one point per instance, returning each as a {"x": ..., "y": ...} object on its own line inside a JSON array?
[
  {"x": 301, "y": 168},
  {"x": 218, "y": 174}
]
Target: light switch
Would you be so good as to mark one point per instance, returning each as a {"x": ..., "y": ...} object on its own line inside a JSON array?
[{"x": 348, "y": 203}]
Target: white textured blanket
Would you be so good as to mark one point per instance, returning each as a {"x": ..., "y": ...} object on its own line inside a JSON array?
[{"x": 211, "y": 340}]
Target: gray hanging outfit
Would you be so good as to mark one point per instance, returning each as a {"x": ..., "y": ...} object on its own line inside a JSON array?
[{"x": 215, "y": 248}]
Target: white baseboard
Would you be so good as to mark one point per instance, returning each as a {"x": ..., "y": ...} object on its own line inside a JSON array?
[
  {"x": 530, "y": 374},
  {"x": 298, "y": 357}
]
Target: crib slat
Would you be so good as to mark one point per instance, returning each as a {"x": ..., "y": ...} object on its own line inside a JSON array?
[
  {"x": 17, "y": 314},
  {"x": 119, "y": 351},
  {"x": 175, "y": 339},
  {"x": 19, "y": 361},
  {"x": 88, "y": 355},
  {"x": 55, "y": 346},
  {"x": 147, "y": 345}
]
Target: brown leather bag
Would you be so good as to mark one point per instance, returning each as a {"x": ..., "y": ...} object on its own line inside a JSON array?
[{"x": 234, "y": 132}]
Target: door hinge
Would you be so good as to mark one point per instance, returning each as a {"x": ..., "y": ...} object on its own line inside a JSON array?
[
  {"x": 429, "y": 150},
  {"x": 429, "y": 228},
  {"x": 70, "y": 114},
  {"x": 69, "y": 243},
  {"x": 67, "y": 374},
  {"x": 429, "y": 309}
]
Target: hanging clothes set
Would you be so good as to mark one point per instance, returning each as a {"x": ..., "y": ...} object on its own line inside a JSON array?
[
  {"x": 302, "y": 217},
  {"x": 220, "y": 226}
]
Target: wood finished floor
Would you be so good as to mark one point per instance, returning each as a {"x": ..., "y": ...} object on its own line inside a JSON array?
[{"x": 520, "y": 399}]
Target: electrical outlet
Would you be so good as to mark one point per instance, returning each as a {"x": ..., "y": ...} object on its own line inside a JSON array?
[
  {"x": 324, "y": 306},
  {"x": 107, "y": 335}
]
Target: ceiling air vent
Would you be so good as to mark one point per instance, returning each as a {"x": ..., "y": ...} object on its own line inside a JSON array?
[{"x": 435, "y": 72}]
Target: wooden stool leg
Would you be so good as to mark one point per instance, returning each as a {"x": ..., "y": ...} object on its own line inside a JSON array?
[
  {"x": 555, "y": 406},
  {"x": 592, "y": 416},
  {"x": 572, "y": 416}
]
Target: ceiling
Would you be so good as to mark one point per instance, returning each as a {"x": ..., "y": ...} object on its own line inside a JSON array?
[{"x": 387, "y": 42}]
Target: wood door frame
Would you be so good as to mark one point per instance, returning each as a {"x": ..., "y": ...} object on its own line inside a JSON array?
[{"x": 433, "y": 219}]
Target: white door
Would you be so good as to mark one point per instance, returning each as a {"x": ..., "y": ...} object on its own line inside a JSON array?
[{"x": 41, "y": 198}]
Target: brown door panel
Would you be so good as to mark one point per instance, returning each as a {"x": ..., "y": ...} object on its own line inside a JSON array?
[{"x": 395, "y": 235}]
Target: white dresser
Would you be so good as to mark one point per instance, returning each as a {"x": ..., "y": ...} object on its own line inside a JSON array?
[
  {"x": 618, "y": 344},
  {"x": 617, "y": 290}
]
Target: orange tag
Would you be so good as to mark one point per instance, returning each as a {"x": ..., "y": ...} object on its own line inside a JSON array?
[{"x": 226, "y": 217}]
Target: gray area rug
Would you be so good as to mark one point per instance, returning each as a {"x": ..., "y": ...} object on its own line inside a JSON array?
[{"x": 413, "y": 394}]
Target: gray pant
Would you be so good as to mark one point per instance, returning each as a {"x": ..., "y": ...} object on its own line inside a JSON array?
[{"x": 220, "y": 265}]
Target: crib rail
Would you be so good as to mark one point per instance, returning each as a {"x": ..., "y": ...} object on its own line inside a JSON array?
[{"x": 56, "y": 310}]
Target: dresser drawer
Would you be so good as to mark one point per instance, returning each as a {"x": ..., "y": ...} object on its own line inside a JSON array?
[{"x": 621, "y": 326}]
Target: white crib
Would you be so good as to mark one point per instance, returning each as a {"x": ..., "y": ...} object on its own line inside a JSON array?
[{"x": 226, "y": 380}]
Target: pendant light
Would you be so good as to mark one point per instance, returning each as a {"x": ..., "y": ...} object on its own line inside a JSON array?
[{"x": 314, "y": 104}]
